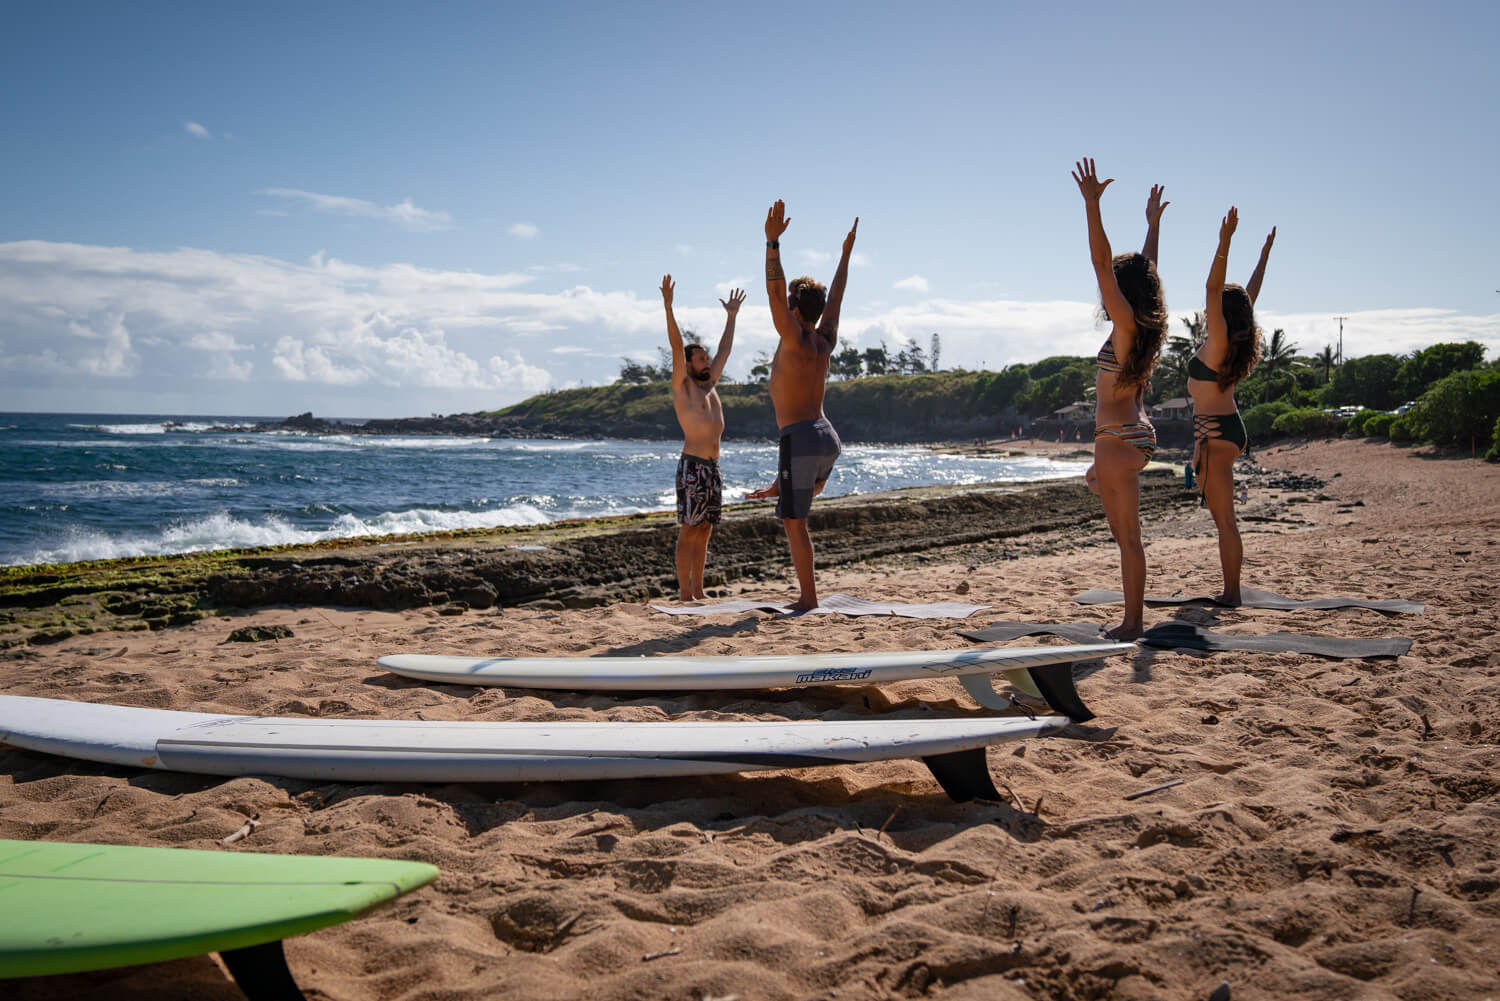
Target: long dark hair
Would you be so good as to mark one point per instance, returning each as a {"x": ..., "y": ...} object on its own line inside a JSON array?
[
  {"x": 1141, "y": 286},
  {"x": 1244, "y": 336}
]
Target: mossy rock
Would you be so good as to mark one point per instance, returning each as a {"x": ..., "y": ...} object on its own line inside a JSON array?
[
  {"x": 56, "y": 635},
  {"x": 259, "y": 634}
]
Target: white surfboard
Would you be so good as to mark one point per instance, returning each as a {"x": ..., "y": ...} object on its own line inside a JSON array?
[
  {"x": 358, "y": 750},
  {"x": 972, "y": 665}
]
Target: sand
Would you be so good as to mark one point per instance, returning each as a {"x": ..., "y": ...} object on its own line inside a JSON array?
[{"x": 1334, "y": 834}]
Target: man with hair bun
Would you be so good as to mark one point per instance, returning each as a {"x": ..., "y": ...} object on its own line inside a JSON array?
[{"x": 807, "y": 322}]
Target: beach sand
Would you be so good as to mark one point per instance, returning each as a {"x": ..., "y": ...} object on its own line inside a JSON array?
[{"x": 1334, "y": 834}]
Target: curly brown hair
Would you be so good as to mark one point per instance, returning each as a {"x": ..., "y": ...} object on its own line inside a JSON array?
[
  {"x": 1244, "y": 336},
  {"x": 1141, "y": 286},
  {"x": 808, "y": 297}
]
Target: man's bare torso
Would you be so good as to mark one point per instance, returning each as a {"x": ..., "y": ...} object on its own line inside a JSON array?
[
  {"x": 702, "y": 418},
  {"x": 799, "y": 376}
]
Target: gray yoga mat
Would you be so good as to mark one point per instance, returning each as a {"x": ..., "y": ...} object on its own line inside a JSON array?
[
  {"x": 1186, "y": 636},
  {"x": 842, "y": 604},
  {"x": 1251, "y": 598}
]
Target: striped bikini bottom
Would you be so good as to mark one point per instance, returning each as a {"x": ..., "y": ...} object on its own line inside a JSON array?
[{"x": 1139, "y": 435}]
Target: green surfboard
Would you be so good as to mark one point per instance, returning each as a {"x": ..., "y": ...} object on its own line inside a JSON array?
[{"x": 68, "y": 908}]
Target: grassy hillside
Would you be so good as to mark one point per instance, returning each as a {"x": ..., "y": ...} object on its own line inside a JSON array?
[{"x": 883, "y": 408}]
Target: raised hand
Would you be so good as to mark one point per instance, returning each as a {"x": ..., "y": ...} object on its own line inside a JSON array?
[
  {"x": 1270, "y": 239},
  {"x": 736, "y": 300},
  {"x": 776, "y": 220},
  {"x": 1088, "y": 180},
  {"x": 1154, "y": 205},
  {"x": 849, "y": 240},
  {"x": 1226, "y": 228},
  {"x": 667, "y": 288}
]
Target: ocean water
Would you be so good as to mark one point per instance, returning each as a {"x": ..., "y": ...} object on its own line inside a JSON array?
[{"x": 93, "y": 486}]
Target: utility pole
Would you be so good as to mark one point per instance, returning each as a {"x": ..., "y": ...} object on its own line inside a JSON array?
[{"x": 1341, "y": 320}]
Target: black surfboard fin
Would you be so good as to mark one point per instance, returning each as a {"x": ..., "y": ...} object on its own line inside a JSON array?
[
  {"x": 261, "y": 972},
  {"x": 964, "y": 775},
  {"x": 1055, "y": 682}
]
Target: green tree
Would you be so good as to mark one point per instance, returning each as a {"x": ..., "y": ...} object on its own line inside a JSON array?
[
  {"x": 1277, "y": 356},
  {"x": 1323, "y": 362},
  {"x": 877, "y": 360},
  {"x": 1369, "y": 381},
  {"x": 1459, "y": 409},
  {"x": 910, "y": 360},
  {"x": 846, "y": 364},
  {"x": 760, "y": 370},
  {"x": 1430, "y": 364}
]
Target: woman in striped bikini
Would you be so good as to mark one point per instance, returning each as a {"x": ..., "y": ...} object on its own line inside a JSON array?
[
  {"x": 1226, "y": 357},
  {"x": 1124, "y": 439}
]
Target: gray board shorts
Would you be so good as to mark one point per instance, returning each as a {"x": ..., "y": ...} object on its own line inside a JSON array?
[{"x": 808, "y": 451}]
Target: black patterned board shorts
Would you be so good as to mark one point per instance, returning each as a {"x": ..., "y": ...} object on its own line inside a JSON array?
[
  {"x": 700, "y": 491},
  {"x": 808, "y": 452}
]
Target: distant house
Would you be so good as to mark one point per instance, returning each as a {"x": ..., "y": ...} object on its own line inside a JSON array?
[
  {"x": 1176, "y": 407},
  {"x": 1077, "y": 413}
]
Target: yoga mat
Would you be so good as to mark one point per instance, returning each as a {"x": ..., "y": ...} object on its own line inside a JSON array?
[
  {"x": 1186, "y": 636},
  {"x": 1251, "y": 598},
  {"x": 842, "y": 604}
]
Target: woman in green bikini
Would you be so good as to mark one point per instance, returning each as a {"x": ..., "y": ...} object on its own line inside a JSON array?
[
  {"x": 1226, "y": 357},
  {"x": 1124, "y": 439}
]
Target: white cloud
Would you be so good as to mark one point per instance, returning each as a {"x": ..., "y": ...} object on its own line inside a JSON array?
[
  {"x": 859, "y": 260},
  {"x": 815, "y": 256},
  {"x": 726, "y": 287},
  {"x": 196, "y": 130},
  {"x": 916, "y": 283},
  {"x": 216, "y": 340},
  {"x": 228, "y": 369},
  {"x": 523, "y": 230},
  {"x": 86, "y": 324},
  {"x": 404, "y": 213}
]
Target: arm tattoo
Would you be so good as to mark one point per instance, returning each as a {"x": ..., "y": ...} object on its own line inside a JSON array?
[{"x": 773, "y": 270}]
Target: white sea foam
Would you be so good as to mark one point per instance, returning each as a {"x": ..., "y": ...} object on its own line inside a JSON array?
[{"x": 225, "y": 531}]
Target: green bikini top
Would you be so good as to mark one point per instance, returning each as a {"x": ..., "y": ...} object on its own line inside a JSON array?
[{"x": 1198, "y": 370}]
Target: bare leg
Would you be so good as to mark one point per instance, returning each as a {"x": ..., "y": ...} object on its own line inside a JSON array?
[
  {"x": 1218, "y": 493},
  {"x": 685, "y": 562},
  {"x": 700, "y": 558},
  {"x": 1091, "y": 477},
  {"x": 1119, "y": 466},
  {"x": 799, "y": 539}
]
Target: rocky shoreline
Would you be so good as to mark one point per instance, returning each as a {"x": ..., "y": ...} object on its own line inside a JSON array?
[{"x": 573, "y": 564}]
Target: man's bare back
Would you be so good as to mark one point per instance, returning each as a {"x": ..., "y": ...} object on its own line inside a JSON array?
[{"x": 799, "y": 377}]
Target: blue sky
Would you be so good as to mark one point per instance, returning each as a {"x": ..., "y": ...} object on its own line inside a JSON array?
[{"x": 383, "y": 210}]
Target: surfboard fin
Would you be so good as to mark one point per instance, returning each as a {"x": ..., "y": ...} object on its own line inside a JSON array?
[
  {"x": 261, "y": 972},
  {"x": 964, "y": 775},
  {"x": 1056, "y": 684},
  {"x": 1052, "y": 682}
]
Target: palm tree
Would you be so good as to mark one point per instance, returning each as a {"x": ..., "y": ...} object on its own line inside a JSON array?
[
  {"x": 1180, "y": 351},
  {"x": 1277, "y": 355},
  {"x": 1323, "y": 362}
]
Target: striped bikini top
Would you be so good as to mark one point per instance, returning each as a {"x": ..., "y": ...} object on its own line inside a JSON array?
[{"x": 1106, "y": 358}]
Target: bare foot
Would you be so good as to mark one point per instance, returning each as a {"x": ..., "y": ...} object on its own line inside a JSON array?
[
  {"x": 700, "y": 597},
  {"x": 1225, "y": 598},
  {"x": 803, "y": 605},
  {"x": 1124, "y": 631},
  {"x": 687, "y": 599}
]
